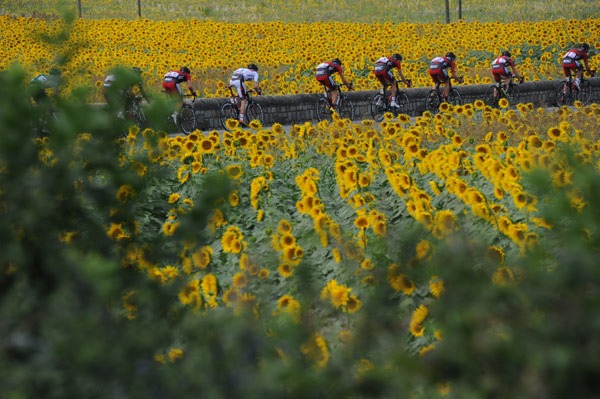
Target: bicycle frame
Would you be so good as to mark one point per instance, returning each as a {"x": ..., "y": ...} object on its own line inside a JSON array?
[
  {"x": 339, "y": 89},
  {"x": 231, "y": 109}
]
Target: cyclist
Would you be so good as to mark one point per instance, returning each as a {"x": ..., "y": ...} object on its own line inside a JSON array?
[
  {"x": 41, "y": 86},
  {"x": 438, "y": 70},
  {"x": 571, "y": 62},
  {"x": 384, "y": 72},
  {"x": 173, "y": 79},
  {"x": 238, "y": 80},
  {"x": 120, "y": 89},
  {"x": 42, "y": 83},
  {"x": 325, "y": 70},
  {"x": 503, "y": 68}
]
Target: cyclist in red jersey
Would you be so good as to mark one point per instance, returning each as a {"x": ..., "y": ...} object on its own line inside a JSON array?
[
  {"x": 438, "y": 70},
  {"x": 571, "y": 62},
  {"x": 384, "y": 72},
  {"x": 503, "y": 68},
  {"x": 323, "y": 76},
  {"x": 173, "y": 80}
]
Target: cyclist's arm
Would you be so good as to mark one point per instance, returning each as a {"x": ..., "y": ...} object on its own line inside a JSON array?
[
  {"x": 402, "y": 78},
  {"x": 515, "y": 73}
]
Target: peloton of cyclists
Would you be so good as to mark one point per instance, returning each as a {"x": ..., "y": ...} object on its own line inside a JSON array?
[{"x": 384, "y": 71}]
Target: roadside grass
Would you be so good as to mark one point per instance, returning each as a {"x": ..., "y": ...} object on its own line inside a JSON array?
[{"x": 365, "y": 11}]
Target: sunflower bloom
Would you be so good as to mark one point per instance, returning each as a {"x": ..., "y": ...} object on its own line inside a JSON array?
[{"x": 418, "y": 316}]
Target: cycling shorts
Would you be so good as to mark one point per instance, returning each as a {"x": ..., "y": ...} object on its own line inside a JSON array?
[
  {"x": 571, "y": 66},
  {"x": 240, "y": 87},
  {"x": 326, "y": 81},
  {"x": 385, "y": 77},
  {"x": 439, "y": 75},
  {"x": 171, "y": 87}
]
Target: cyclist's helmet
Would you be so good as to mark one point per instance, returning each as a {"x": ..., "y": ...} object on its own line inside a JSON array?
[
  {"x": 137, "y": 70},
  {"x": 397, "y": 56},
  {"x": 585, "y": 46},
  {"x": 337, "y": 61},
  {"x": 506, "y": 53},
  {"x": 253, "y": 67},
  {"x": 450, "y": 55},
  {"x": 54, "y": 71},
  {"x": 185, "y": 69}
]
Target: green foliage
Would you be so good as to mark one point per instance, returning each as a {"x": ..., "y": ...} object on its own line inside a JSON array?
[{"x": 63, "y": 277}]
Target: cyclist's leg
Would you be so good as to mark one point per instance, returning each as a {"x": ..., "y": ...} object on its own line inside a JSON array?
[
  {"x": 498, "y": 84},
  {"x": 243, "y": 96},
  {"x": 393, "y": 83},
  {"x": 381, "y": 80},
  {"x": 578, "y": 75},
  {"x": 567, "y": 73},
  {"x": 333, "y": 92}
]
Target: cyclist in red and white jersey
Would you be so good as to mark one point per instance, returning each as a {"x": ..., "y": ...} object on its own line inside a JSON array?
[
  {"x": 324, "y": 73},
  {"x": 173, "y": 80},
  {"x": 238, "y": 79},
  {"x": 571, "y": 62},
  {"x": 438, "y": 70},
  {"x": 384, "y": 72},
  {"x": 503, "y": 68}
]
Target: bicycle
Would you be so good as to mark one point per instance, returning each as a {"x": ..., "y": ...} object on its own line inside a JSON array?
[
  {"x": 497, "y": 92},
  {"x": 231, "y": 108},
  {"x": 434, "y": 97},
  {"x": 135, "y": 113},
  {"x": 380, "y": 104},
  {"x": 567, "y": 92},
  {"x": 186, "y": 119},
  {"x": 344, "y": 106}
]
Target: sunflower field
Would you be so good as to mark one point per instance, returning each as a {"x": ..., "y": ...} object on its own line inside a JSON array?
[
  {"x": 286, "y": 53},
  {"x": 451, "y": 256}
]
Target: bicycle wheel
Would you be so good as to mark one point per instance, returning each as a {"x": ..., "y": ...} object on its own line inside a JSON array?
[
  {"x": 512, "y": 94},
  {"x": 254, "y": 112},
  {"x": 228, "y": 111},
  {"x": 403, "y": 103},
  {"x": 322, "y": 111},
  {"x": 433, "y": 101},
  {"x": 454, "y": 97},
  {"x": 187, "y": 119},
  {"x": 585, "y": 92},
  {"x": 562, "y": 95},
  {"x": 346, "y": 108},
  {"x": 492, "y": 97},
  {"x": 378, "y": 107}
]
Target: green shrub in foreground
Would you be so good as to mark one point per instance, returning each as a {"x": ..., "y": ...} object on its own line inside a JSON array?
[{"x": 64, "y": 335}]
